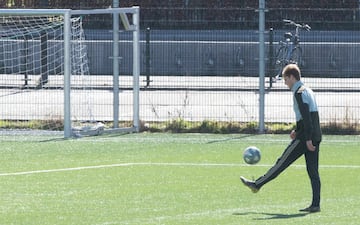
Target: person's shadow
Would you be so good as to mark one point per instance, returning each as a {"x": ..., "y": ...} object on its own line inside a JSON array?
[{"x": 271, "y": 216}]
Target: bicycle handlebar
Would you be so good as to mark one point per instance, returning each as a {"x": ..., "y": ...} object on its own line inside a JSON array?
[{"x": 302, "y": 26}]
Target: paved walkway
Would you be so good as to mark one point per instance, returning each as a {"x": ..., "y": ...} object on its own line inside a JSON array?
[{"x": 189, "y": 98}]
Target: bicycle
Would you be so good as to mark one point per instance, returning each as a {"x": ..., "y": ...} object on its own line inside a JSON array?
[{"x": 289, "y": 50}]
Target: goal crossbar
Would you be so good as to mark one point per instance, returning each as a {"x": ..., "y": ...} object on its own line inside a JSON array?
[
  {"x": 121, "y": 11},
  {"x": 131, "y": 10}
]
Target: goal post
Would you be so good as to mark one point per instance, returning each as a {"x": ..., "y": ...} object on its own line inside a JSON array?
[
  {"x": 135, "y": 28},
  {"x": 69, "y": 59}
]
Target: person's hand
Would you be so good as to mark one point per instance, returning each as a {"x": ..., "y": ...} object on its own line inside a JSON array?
[
  {"x": 310, "y": 145},
  {"x": 293, "y": 134}
]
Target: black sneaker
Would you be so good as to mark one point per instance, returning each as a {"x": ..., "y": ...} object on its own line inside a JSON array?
[
  {"x": 311, "y": 209},
  {"x": 249, "y": 184}
]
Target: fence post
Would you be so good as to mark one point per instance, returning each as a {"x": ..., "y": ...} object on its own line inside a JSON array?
[
  {"x": 116, "y": 66},
  {"x": 271, "y": 56},
  {"x": 261, "y": 66},
  {"x": 147, "y": 53},
  {"x": 136, "y": 68},
  {"x": 44, "y": 56},
  {"x": 67, "y": 75}
]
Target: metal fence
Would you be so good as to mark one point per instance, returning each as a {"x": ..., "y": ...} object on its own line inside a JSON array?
[
  {"x": 207, "y": 81},
  {"x": 228, "y": 52},
  {"x": 211, "y": 74}
]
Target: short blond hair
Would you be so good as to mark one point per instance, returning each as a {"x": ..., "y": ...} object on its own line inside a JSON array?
[{"x": 291, "y": 69}]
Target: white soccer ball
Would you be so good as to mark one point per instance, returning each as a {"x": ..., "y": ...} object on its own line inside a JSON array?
[{"x": 252, "y": 155}]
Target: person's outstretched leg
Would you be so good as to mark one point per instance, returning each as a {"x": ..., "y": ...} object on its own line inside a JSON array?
[{"x": 292, "y": 152}]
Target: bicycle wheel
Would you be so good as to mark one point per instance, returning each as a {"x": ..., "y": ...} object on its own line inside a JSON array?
[
  {"x": 280, "y": 60},
  {"x": 296, "y": 56}
]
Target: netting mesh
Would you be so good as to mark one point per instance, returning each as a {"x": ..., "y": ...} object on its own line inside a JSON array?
[
  {"x": 32, "y": 60},
  {"x": 21, "y": 44},
  {"x": 34, "y": 45}
]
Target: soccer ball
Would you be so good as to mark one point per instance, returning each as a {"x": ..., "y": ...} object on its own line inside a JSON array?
[{"x": 252, "y": 155}]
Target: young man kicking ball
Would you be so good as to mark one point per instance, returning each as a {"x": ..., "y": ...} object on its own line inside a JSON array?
[{"x": 306, "y": 138}]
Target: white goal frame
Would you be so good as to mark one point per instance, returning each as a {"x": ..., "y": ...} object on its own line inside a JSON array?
[{"x": 133, "y": 26}]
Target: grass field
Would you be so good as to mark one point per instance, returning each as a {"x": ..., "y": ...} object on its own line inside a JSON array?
[{"x": 170, "y": 179}]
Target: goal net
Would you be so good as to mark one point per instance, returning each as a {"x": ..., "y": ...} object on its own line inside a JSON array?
[{"x": 45, "y": 73}]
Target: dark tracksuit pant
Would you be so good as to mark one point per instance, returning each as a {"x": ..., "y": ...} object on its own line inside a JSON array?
[
  {"x": 307, "y": 128},
  {"x": 292, "y": 152}
]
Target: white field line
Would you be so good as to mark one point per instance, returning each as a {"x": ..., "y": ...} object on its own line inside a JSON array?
[{"x": 163, "y": 164}]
